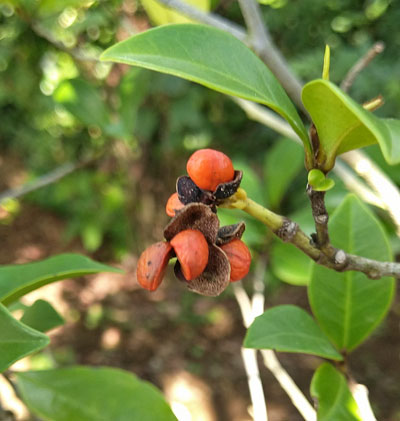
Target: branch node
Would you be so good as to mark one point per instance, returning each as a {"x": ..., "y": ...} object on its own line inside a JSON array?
[
  {"x": 374, "y": 274},
  {"x": 340, "y": 257},
  {"x": 287, "y": 231},
  {"x": 322, "y": 219}
]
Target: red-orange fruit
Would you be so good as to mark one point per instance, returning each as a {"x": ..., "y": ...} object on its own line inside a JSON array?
[
  {"x": 209, "y": 168},
  {"x": 239, "y": 258},
  {"x": 173, "y": 204},
  {"x": 191, "y": 249},
  {"x": 152, "y": 264}
]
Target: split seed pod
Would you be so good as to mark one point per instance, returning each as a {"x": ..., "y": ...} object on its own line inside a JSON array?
[
  {"x": 239, "y": 258},
  {"x": 209, "y": 168},
  {"x": 191, "y": 249},
  {"x": 152, "y": 264}
]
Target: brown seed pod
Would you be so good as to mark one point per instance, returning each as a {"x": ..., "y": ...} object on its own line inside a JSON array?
[
  {"x": 173, "y": 205},
  {"x": 215, "y": 277},
  {"x": 191, "y": 249},
  {"x": 152, "y": 264},
  {"x": 209, "y": 168},
  {"x": 239, "y": 258},
  {"x": 194, "y": 216}
]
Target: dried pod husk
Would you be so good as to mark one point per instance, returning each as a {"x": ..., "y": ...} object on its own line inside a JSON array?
[
  {"x": 239, "y": 258},
  {"x": 228, "y": 233},
  {"x": 188, "y": 192},
  {"x": 215, "y": 277},
  {"x": 195, "y": 216},
  {"x": 209, "y": 168},
  {"x": 192, "y": 251},
  {"x": 152, "y": 264},
  {"x": 229, "y": 188},
  {"x": 173, "y": 205}
]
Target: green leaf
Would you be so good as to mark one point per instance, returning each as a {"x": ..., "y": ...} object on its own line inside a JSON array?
[
  {"x": 42, "y": 316},
  {"x": 335, "y": 402},
  {"x": 278, "y": 176},
  {"x": 343, "y": 125},
  {"x": 17, "y": 340},
  {"x": 161, "y": 15},
  {"x": 91, "y": 394},
  {"x": 212, "y": 58},
  {"x": 251, "y": 181},
  {"x": 289, "y": 264},
  {"x": 289, "y": 328},
  {"x": 318, "y": 181},
  {"x": 348, "y": 305},
  {"x": 18, "y": 280}
]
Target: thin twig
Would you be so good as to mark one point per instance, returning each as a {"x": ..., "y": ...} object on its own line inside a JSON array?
[
  {"x": 360, "y": 65},
  {"x": 271, "y": 362},
  {"x": 288, "y": 385},
  {"x": 379, "y": 182},
  {"x": 207, "y": 18},
  {"x": 249, "y": 357},
  {"x": 260, "y": 42},
  {"x": 289, "y": 231},
  {"x": 360, "y": 395},
  {"x": 42, "y": 181},
  {"x": 321, "y": 217}
]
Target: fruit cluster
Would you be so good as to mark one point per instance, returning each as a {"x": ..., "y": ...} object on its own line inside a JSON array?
[{"x": 208, "y": 256}]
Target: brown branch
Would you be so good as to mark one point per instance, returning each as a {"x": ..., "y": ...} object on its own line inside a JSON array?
[
  {"x": 360, "y": 65},
  {"x": 290, "y": 232},
  {"x": 321, "y": 217}
]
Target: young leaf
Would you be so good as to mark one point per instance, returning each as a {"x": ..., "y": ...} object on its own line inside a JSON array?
[
  {"x": 318, "y": 180},
  {"x": 348, "y": 305},
  {"x": 343, "y": 125},
  {"x": 42, "y": 316},
  {"x": 212, "y": 58},
  {"x": 18, "y": 280},
  {"x": 290, "y": 329},
  {"x": 335, "y": 402},
  {"x": 17, "y": 340},
  {"x": 91, "y": 394}
]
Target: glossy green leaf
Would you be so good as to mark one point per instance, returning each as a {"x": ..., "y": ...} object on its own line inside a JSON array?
[
  {"x": 348, "y": 305},
  {"x": 290, "y": 329},
  {"x": 343, "y": 125},
  {"x": 335, "y": 402},
  {"x": 91, "y": 394},
  {"x": 289, "y": 264},
  {"x": 161, "y": 15},
  {"x": 42, "y": 316},
  {"x": 18, "y": 280},
  {"x": 277, "y": 175},
  {"x": 17, "y": 340},
  {"x": 212, "y": 58}
]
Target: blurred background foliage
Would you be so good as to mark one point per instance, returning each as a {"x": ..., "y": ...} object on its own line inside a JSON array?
[{"x": 130, "y": 131}]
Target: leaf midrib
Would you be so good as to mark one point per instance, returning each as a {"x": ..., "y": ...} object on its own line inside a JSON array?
[{"x": 124, "y": 58}]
